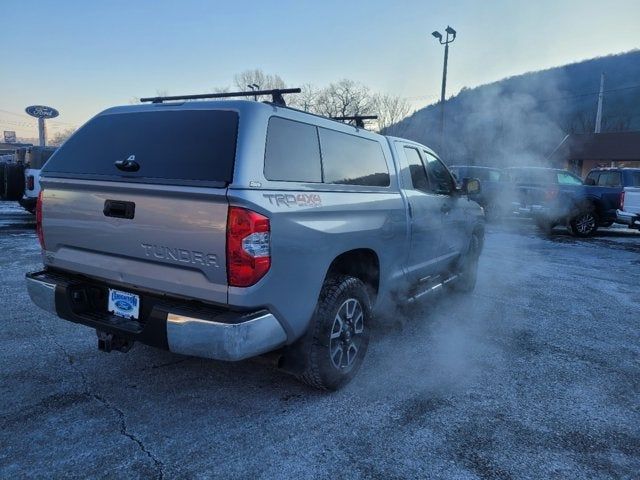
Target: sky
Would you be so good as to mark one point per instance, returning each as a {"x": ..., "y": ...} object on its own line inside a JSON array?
[{"x": 84, "y": 56}]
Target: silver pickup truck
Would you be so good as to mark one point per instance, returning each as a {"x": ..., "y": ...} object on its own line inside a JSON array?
[{"x": 229, "y": 229}]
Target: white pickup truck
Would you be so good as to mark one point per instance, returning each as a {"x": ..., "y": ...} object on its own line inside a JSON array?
[
  {"x": 627, "y": 180},
  {"x": 629, "y": 212}
]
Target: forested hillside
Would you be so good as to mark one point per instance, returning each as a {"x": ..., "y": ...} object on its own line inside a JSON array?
[{"x": 521, "y": 119}]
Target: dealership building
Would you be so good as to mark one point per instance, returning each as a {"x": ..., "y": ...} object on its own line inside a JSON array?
[{"x": 579, "y": 153}]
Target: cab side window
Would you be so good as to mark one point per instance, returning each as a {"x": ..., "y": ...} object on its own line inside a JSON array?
[
  {"x": 592, "y": 178},
  {"x": 418, "y": 173},
  {"x": 568, "y": 179},
  {"x": 439, "y": 177},
  {"x": 292, "y": 153},
  {"x": 610, "y": 179}
]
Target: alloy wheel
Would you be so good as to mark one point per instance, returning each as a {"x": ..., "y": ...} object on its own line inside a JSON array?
[
  {"x": 585, "y": 223},
  {"x": 346, "y": 334}
]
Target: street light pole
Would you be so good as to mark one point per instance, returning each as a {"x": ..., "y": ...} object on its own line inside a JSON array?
[{"x": 451, "y": 36}]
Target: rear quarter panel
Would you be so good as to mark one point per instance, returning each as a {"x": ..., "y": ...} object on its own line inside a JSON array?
[
  {"x": 306, "y": 238},
  {"x": 313, "y": 223}
]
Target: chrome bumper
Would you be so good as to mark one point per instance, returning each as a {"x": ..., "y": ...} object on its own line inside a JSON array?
[
  {"x": 242, "y": 335},
  {"x": 631, "y": 219},
  {"x": 224, "y": 341},
  {"x": 42, "y": 293}
]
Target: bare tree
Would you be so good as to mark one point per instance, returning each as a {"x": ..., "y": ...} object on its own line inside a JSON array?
[
  {"x": 617, "y": 123},
  {"x": 344, "y": 98},
  {"x": 390, "y": 110},
  {"x": 61, "y": 137},
  {"x": 306, "y": 100},
  {"x": 340, "y": 99},
  {"x": 264, "y": 81}
]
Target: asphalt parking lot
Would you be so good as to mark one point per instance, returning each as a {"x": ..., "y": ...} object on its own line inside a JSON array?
[{"x": 535, "y": 375}]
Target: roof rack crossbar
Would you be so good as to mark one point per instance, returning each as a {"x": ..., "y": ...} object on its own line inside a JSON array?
[
  {"x": 359, "y": 119},
  {"x": 276, "y": 96}
]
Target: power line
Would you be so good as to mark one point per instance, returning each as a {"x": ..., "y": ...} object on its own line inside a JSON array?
[{"x": 579, "y": 95}]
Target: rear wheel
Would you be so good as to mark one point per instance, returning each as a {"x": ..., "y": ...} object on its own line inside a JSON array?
[
  {"x": 584, "y": 224},
  {"x": 28, "y": 204},
  {"x": 468, "y": 274},
  {"x": 339, "y": 333}
]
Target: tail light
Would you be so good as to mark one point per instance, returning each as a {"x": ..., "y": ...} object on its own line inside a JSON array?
[
  {"x": 30, "y": 182},
  {"x": 622, "y": 201},
  {"x": 248, "y": 247},
  {"x": 39, "y": 230}
]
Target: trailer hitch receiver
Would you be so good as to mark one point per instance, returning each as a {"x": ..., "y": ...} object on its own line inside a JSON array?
[{"x": 109, "y": 341}]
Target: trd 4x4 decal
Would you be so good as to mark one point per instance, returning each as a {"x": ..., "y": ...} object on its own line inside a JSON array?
[{"x": 294, "y": 200}]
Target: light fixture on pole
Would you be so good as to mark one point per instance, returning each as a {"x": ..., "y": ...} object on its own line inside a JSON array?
[{"x": 254, "y": 87}]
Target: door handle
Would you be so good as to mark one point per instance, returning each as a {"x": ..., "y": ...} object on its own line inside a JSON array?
[
  {"x": 446, "y": 208},
  {"x": 128, "y": 165},
  {"x": 118, "y": 209}
]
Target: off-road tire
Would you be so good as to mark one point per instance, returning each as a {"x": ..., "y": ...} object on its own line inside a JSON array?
[
  {"x": 320, "y": 370},
  {"x": 584, "y": 224},
  {"x": 13, "y": 182},
  {"x": 28, "y": 205},
  {"x": 468, "y": 273}
]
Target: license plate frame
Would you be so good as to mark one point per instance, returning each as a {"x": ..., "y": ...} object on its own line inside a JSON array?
[{"x": 123, "y": 304}]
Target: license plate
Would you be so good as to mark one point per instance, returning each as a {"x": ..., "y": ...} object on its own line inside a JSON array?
[{"x": 124, "y": 304}]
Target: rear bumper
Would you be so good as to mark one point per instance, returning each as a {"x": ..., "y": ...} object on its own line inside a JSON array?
[
  {"x": 631, "y": 219},
  {"x": 181, "y": 326}
]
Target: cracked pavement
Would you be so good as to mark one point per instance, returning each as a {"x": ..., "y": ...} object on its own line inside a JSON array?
[{"x": 535, "y": 375}]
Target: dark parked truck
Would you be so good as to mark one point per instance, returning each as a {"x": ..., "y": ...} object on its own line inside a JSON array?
[
  {"x": 20, "y": 177},
  {"x": 229, "y": 229},
  {"x": 493, "y": 187},
  {"x": 557, "y": 197},
  {"x": 627, "y": 182}
]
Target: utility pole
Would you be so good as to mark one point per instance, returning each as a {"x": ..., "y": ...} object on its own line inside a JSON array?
[
  {"x": 598, "y": 128},
  {"x": 451, "y": 36},
  {"x": 42, "y": 132}
]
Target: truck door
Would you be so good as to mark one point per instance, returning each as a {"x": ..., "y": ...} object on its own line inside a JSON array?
[
  {"x": 454, "y": 237},
  {"x": 425, "y": 218}
]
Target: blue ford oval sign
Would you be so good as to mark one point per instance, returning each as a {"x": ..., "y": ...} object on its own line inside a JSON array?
[{"x": 40, "y": 111}]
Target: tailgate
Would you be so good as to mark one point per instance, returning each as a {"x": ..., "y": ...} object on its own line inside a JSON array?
[
  {"x": 137, "y": 196},
  {"x": 175, "y": 242},
  {"x": 632, "y": 200}
]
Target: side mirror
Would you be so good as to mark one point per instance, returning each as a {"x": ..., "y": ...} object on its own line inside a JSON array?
[
  {"x": 590, "y": 181},
  {"x": 471, "y": 186}
]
